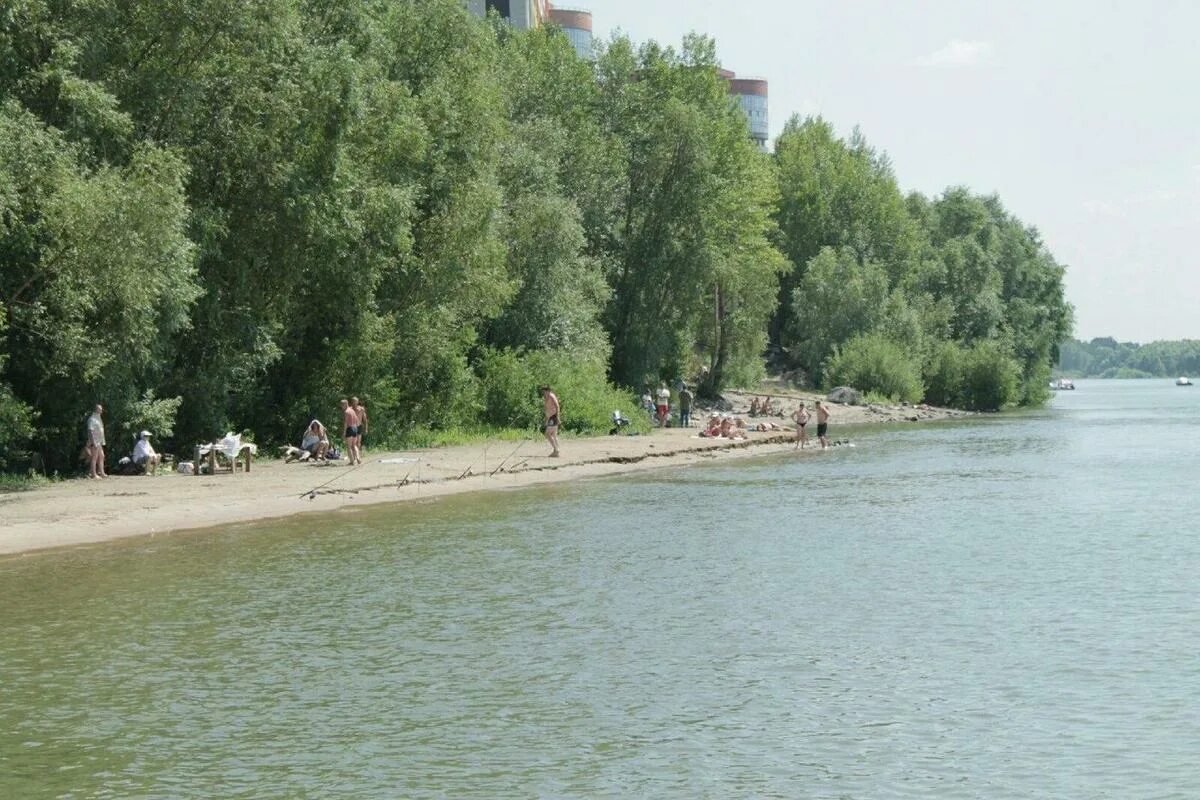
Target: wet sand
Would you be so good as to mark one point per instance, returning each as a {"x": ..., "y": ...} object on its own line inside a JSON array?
[{"x": 79, "y": 512}]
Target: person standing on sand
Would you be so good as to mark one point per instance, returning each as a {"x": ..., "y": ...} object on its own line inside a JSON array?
[
  {"x": 685, "y": 407},
  {"x": 553, "y": 410},
  {"x": 95, "y": 443},
  {"x": 663, "y": 406},
  {"x": 801, "y": 416},
  {"x": 361, "y": 410},
  {"x": 350, "y": 432},
  {"x": 822, "y": 424}
]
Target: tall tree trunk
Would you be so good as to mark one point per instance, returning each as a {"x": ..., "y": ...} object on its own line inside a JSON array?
[{"x": 713, "y": 384}]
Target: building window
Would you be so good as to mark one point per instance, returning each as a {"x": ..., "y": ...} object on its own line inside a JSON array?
[{"x": 501, "y": 6}]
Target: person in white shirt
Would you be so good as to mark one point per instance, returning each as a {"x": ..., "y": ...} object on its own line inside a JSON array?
[
  {"x": 144, "y": 455},
  {"x": 663, "y": 406},
  {"x": 95, "y": 443}
]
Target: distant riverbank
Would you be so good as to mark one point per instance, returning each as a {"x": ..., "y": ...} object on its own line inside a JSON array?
[{"x": 80, "y": 512}]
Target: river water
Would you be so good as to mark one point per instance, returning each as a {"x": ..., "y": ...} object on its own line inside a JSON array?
[{"x": 998, "y": 608}]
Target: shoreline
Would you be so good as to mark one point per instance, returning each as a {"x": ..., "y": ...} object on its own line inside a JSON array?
[{"x": 81, "y": 512}]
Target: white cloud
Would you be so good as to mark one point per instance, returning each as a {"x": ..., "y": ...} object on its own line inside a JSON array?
[{"x": 957, "y": 53}]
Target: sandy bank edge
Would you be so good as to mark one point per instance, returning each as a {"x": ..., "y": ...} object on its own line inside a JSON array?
[{"x": 81, "y": 512}]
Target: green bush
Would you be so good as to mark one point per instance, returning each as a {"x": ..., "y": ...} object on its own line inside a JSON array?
[
  {"x": 873, "y": 363},
  {"x": 991, "y": 377},
  {"x": 944, "y": 375},
  {"x": 16, "y": 426},
  {"x": 983, "y": 377},
  {"x": 509, "y": 398}
]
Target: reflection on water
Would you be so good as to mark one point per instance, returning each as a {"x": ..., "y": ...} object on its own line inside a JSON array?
[{"x": 998, "y": 608}]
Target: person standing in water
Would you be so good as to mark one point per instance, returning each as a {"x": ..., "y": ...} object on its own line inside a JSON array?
[
  {"x": 801, "y": 416},
  {"x": 553, "y": 410},
  {"x": 823, "y": 424}
]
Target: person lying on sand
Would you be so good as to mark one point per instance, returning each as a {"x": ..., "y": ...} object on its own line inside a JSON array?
[
  {"x": 730, "y": 430},
  {"x": 713, "y": 428}
]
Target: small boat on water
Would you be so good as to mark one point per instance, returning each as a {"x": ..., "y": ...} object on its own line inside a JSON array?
[
  {"x": 1182, "y": 381},
  {"x": 1062, "y": 384}
]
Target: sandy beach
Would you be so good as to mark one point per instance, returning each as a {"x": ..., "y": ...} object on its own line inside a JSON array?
[{"x": 80, "y": 512}]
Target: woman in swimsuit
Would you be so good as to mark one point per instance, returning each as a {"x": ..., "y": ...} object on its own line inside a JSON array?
[{"x": 801, "y": 417}]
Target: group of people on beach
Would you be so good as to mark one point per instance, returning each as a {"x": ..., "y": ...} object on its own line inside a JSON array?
[
  {"x": 143, "y": 460},
  {"x": 763, "y": 407},
  {"x": 658, "y": 404},
  {"x": 355, "y": 423},
  {"x": 726, "y": 426}
]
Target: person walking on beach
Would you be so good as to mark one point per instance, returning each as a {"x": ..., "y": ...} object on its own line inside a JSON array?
[
  {"x": 95, "y": 443},
  {"x": 801, "y": 416},
  {"x": 361, "y": 410},
  {"x": 350, "y": 432},
  {"x": 663, "y": 406},
  {"x": 823, "y": 424},
  {"x": 553, "y": 410},
  {"x": 685, "y": 406}
]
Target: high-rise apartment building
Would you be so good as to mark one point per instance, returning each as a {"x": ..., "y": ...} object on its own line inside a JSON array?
[
  {"x": 576, "y": 23},
  {"x": 751, "y": 93},
  {"x": 523, "y": 14}
]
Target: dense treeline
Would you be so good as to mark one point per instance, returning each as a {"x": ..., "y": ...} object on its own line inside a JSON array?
[
  {"x": 1105, "y": 357},
  {"x": 223, "y": 215}
]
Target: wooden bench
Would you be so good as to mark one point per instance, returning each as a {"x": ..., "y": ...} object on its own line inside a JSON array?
[{"x": 244, "y": 453}]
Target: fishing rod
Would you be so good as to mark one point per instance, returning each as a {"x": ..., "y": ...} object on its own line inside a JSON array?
[
  {"x": 506, "y": 458},
  {"x": 312, "y": 493}
]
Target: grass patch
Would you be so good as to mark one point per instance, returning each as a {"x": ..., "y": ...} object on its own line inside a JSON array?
[
  {"x": 458, "y": 436},
  {"x": 22, "y": 483}
]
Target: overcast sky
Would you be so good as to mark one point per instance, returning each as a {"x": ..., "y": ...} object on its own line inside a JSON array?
[{"x": 1081, "y": 114}]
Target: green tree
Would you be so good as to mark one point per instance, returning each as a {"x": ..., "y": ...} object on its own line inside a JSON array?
[
  {"x": 98, "y": 276},
  {"x": 840, "y": 194},
  {"x": 838, "y": 298},
  {"x": 690, "y": 242}
]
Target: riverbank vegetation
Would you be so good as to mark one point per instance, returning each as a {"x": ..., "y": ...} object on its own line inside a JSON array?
[
  {"x": 218, "y": 215},
  {"x": 1105, "y": 357}
]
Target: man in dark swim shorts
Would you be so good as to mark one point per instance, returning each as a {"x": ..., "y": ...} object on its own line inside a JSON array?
[
  {"x": 350, "y": 434},
  {"x": 552, "y": 410},
  {"x": 822, "y": 424}
]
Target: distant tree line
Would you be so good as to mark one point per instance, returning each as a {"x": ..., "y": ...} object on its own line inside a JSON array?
[
  {"x": 1105, "y": 357},
  {"x": 219, "y": 215}
]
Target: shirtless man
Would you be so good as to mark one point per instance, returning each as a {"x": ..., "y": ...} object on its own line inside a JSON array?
[
  {"x": 350, "y": 432},
  {"x": 361, "y": 410},
  {"x": 801, "y": 416},
  {"x": 552, "y": 410},
  {"x": 822, "y": 424}
]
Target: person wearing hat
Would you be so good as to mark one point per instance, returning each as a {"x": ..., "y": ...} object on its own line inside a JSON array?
[{"x": 144, "y": 455}]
